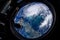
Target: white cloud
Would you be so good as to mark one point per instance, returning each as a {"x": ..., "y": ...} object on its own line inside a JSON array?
[{"x": 45, "y": 22}]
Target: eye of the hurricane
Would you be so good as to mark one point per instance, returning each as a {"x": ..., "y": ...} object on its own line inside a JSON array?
[{"x": 33, "y": 20}]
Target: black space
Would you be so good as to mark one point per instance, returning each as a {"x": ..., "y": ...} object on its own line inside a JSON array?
[{"x": 5, "y": 32}]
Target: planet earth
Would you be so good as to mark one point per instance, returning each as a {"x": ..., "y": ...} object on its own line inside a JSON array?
[{"x": 35, "y": 19}]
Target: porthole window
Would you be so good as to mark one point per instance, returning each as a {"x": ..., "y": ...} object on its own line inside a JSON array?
[{"x": 33, "y": 20}]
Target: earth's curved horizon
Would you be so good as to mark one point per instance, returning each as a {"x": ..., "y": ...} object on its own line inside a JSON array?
[{"x": 35, "y": 20}]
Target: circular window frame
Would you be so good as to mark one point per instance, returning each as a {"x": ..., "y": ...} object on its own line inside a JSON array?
[{"x": 21, "y": 5}]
